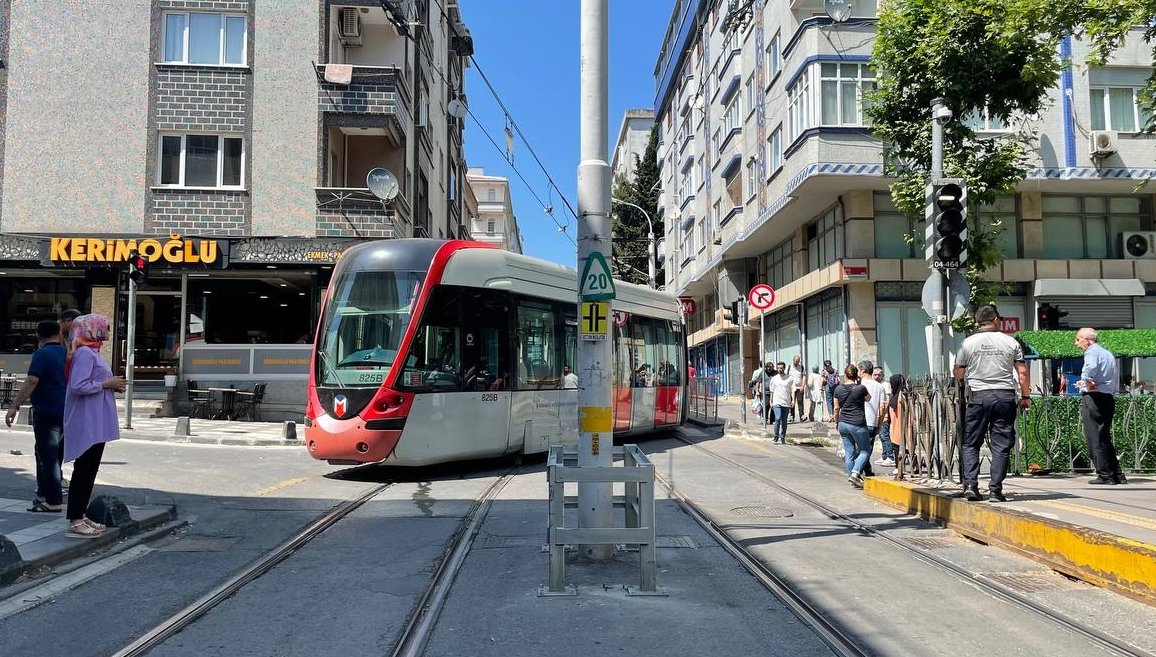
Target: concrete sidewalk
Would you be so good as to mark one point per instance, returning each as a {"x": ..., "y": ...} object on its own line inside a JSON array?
[{"x": 201, "y": 432}]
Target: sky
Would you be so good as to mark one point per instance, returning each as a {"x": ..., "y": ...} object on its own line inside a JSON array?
[{"x": 528, "y": 49}]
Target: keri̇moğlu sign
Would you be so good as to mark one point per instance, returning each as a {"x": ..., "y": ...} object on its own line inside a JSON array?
[{"x": 174, "y": 250}]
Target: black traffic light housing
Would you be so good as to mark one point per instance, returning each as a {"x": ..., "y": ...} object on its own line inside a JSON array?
[
  {"x": 1049, "y": 317},
  {"x": 947, "y": 223},
  {"x": 138, "y": 267}
]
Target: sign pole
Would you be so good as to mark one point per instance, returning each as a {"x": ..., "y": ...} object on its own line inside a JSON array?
[
  {"x": 596, "y": 287},
  {"x": 130, "y": 355}
]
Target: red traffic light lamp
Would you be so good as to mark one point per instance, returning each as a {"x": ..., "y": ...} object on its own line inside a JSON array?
[{"x": 138, "y": 267}]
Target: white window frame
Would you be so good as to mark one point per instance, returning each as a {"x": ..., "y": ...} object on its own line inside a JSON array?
[
  {"x": 732, "y": 120},
  {"x": 749, "y": 95},
  {"x": 752, "y": 177},
  {"x": 220, "y": 160},
  {"x": 775, "y": 142},
  {"x": 984, "y": 121},
  {"x": 774, "y": 61},
  {"x": 687, "y": 242},
  {"x": 491, "y": 227},
  {"x": 799, "y": 106},
  {"x": 864, "y": 79},
  {"x": 222, "y": 41},
  {"x": 1138, "y": 117}
]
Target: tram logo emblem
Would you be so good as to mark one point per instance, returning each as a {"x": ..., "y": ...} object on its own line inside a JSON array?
[{"x": 339, "y": 406}]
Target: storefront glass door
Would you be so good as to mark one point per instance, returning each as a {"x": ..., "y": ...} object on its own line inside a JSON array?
[{"x": 158, "y": 330}]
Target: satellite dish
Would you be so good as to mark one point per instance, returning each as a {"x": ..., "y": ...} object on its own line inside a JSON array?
[
  {"x": 456, "y": 108},
  {"x": 382, "y": 184},
  {"x": 838, "y": 10}
]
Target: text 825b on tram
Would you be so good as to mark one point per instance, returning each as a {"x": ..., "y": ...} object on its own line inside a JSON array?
[{"x": 431, "y": 351}]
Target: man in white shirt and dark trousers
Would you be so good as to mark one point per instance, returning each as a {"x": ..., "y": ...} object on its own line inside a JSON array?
[
  {"x": 781, "y": 388},
  {"x": 1098, "y": 384},
  {"x": 992, "y": 364},
  {"x": 874, "y": 408}
]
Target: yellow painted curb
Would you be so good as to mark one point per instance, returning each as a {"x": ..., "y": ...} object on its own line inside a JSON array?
[{"x": 1098, "y": 557}]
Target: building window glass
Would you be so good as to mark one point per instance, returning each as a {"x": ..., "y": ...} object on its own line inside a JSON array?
[
  {"x": 799, "y": 107},
  {"x": 825, "y": 325},
  {"x": 780, "y": 265},
  {"x": 749, "y": 95},
  {"x": 902, "y": 346},
  {"x": 491, "y": 195},
  {"x": 842, "y": 91},
  {"x": 201, "y": 161},
  {"x": 1117, "y": 108},
  {"x": 892, "y": 231},
  {"x": 824, "y": 240},
  {"x": 204, "y": 38},
  {"x": 705, "y": 232},
  {"x": 731, "y": 119},
  {"x": 776, "y": 149},
  {"x": 31, "y": 300},
  {"x": 490, "y": 226},
  {"x": 774, "y": 59},
  {"x": 752, "y": 177},
  {"x": 985, "y": 121},
  {"x": 1088, "y": 226},
  {"x": 688, "y": 241},
  {"x": 1002, "y": 211}
]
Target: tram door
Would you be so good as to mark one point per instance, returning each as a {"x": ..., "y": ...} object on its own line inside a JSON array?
[{"x": 542, "y": 413}]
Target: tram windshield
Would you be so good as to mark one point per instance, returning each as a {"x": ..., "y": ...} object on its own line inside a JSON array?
[{"x": 364, "y": 322}]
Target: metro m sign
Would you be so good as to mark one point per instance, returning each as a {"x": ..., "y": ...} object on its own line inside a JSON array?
[
  {"x": 688, "y": 305},
  {"x": 1009, "y": 324}
]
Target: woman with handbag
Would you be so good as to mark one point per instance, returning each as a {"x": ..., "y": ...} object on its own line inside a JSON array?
[{"x": 90, "y": 418}]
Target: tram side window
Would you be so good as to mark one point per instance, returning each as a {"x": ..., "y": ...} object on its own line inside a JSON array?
[
  {"x": 485, "y": 343},
  {"x": 623, "y": 367},
  {"x": 645, "y": 356},
  {"x": 667, "y": 357},
  {"x": 435, "y": 359},
  {"x": 539, "y": 353}
]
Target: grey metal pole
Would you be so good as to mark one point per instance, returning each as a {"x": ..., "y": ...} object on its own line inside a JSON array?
[
  {"x": 652, "y": 256},
  {"x": 939, "y": 281},
  {"x": 595, "y": 356},
  {"x": 742, "y": 322},
  {"x": 130, "y": 355}
]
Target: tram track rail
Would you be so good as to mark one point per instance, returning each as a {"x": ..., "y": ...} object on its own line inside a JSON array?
[
  {"x": 190, "y": 614},
  {"x": 830, "y": 633}
]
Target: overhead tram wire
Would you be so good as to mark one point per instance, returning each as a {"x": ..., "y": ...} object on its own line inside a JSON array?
[
  {"x": 520, "y": 176},
  {"x": 510, "y": 118},
  {"x": 430, "y": 62}
]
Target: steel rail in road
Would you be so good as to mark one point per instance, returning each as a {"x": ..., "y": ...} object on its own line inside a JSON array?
[
  {"x": 998, "y": 590},
  {"x": 191, "y": 613},
  {"x": 421, "y": 623},
  {"x": 831, "y": 634}
]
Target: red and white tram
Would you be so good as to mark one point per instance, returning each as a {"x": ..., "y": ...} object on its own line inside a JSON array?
[{"x": 431, "y": 351}]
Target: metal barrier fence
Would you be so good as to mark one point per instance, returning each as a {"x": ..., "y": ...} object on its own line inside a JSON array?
[
  {"x": 1049, "y": 435},
  {"x": 702, "y": 399},
  {"x": 637, "y": 474}
]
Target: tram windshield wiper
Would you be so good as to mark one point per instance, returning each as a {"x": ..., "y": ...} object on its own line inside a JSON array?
[{"x": 329, "y": 369}]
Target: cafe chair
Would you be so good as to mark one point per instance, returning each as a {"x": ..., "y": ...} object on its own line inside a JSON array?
[
  {"x": 249, "y": 405},
  {"x": 200, "y": 401}
]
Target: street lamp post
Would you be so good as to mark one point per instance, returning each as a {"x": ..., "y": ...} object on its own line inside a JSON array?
[{"x": 650, "y": 241}]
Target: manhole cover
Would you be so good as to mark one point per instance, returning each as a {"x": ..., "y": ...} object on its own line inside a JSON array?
[
  {"x": 1030, "y": 582},
  {"x": 762, "y": 512},
  {"x": 931, "y": 542}
]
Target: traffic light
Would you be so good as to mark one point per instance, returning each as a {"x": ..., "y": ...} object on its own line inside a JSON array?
[
  {"x": 1049, "y": 317},
  {"x": 731, "y": 314},
  {"x": 138, "y": 267},
  {"x": 947, "y": 224}
]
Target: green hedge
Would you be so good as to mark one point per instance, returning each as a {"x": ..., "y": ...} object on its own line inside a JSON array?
[
  {"x": 1124, "y": 343},
  {"x": 1053, "y": 435}
]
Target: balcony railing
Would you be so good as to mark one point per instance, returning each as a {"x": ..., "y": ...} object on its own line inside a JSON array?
[{"x": 357, "y": 89}]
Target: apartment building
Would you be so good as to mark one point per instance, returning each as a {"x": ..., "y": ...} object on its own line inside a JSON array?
[
  {"x": 494, "y": 221},
  {"x": 229, "y": 141},
  {"x": 633, "y": 136},
  {"x": 770, "y": 175}
]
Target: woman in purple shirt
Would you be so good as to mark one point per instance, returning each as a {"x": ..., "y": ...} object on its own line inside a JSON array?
[{"x": 90, "y": 418}]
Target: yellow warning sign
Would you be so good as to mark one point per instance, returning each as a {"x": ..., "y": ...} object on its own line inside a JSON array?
[{"x": 595, "y": 315}]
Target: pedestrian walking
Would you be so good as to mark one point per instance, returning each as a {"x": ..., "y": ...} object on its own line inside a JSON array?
[
  {"x": 875, "y": 408},
  {"x": 816, "y": 384},
  {"x": 832, "y": 381},
  {"x": 992, "y": 364},
  {"x": 782, "y": 387},
  {"x": 851, "y": 399},
  {"x": 44, "y": 387},
  {"x": 887, "y": 455},
  {"x": 897, "y": 414},
  {"x": 90, "y": 418},
  {"x": 798, "y": 374},
  {"x": 1098, "y": 384}
]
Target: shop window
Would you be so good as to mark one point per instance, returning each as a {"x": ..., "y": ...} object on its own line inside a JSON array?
[
  {"x": 29, "y": 301},
  {"x": 280, "y": 308}
]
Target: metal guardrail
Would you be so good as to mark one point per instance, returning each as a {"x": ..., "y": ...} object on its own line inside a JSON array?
[
  {"x": 637, "y": 475},
  {"x": 1051, "y": 434},
  {"x": 702, "y": 399},
  {"x": 929, "y": 448}
]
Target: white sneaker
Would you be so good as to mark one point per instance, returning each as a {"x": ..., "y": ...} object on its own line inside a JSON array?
[
  {"x": 879, "y": 461},
  {"x": 886, "y": 462}
]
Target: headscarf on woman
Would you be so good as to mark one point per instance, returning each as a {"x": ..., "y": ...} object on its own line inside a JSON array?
[
  {"x": 87, "y": 331},
  {"x": 898, "y": 383}
]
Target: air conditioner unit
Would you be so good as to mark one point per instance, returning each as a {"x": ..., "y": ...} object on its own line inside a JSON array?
[
  {"x": 349, "y": 26},
  {"x": 1138, "y": 245},
  {"x": 1103, "y": 142}
]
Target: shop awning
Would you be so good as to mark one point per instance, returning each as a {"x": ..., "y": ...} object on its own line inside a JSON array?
[{"x": 1089, "y": 287}]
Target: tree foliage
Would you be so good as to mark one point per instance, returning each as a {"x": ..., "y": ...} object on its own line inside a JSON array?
[
  {"x": 999, "y": 56},
  {"x": 630, "y": 227}
]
